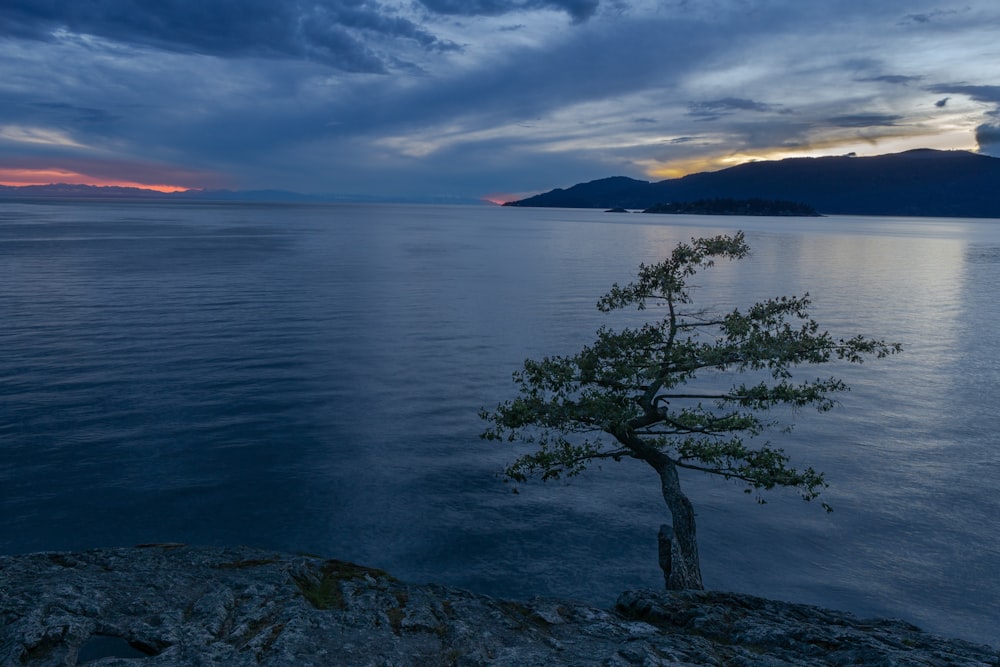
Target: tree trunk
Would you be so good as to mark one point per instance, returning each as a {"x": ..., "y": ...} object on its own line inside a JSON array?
[
  {"x": 665, "y": 544},
  {"x": 678, "y": 543}
]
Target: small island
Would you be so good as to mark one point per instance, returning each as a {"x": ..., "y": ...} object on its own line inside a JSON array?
[{"x": 725, "y": 206}]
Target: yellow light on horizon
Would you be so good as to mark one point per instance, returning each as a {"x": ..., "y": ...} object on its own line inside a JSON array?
[{"x": 958, "y": 140}]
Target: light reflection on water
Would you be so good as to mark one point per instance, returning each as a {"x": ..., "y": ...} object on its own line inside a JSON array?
[{"x": 308, "y": 378}]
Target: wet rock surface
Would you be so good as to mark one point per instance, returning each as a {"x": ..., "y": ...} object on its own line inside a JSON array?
[{"x": 177, "y": 605}]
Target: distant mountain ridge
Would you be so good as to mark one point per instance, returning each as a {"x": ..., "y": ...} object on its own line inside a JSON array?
[
  {"x": 80, "y": 191},
  {"x": 921, "y": 182},
  {"x": 114, "y": 192}
]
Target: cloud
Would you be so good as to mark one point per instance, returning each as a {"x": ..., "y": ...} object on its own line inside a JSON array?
[
  {"x": 713, "y": 109},
  {"x": 899, "y": 79},
  {"x": 988, "y": 139},
  {"x": 986, "y": 94},
  {"x": 579, "y": 10},
  {"x": 351, "y": 35},
  {"x": 928, "y": 17},
  {"x": 989, "y": 94},
  {"x": 865, "y": 120},
  {"x": 74, "y": 114},
  {"x": 536, "y": 82},
  {"x": 36, "y": 136}
]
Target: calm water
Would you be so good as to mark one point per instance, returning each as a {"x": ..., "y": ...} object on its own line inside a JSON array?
[{"x": 307, "y": 378}]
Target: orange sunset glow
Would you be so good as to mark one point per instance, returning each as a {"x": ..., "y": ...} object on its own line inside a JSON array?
[
  {"x": 23, "y": 177},
  {"x": 502, "y": 198}
]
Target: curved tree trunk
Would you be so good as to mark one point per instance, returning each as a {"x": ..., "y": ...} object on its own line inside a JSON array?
[{"x": 678, "y": 543}]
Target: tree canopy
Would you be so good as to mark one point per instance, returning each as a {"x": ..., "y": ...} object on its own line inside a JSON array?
[{"x": 651, "y": 393}]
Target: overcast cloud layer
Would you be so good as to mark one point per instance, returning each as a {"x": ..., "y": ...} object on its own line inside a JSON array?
[{"x": 474, "y": 98}]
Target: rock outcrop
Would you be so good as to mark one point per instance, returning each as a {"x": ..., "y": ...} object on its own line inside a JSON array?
[{"x": 162, "y": 605}]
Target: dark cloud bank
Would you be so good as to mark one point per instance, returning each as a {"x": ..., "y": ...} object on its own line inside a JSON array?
[{"x": 344, "y": 34}]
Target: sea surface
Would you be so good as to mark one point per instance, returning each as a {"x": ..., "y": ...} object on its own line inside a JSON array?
[{"x": 308, "y": 378}]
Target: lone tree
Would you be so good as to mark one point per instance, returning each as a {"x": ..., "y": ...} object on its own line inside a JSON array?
[{"x": 635, "y": 393}]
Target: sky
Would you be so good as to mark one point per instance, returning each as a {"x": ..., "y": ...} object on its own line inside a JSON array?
[{"x": 479, "y": 99}]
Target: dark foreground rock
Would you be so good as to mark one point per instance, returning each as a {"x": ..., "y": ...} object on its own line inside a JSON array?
[{"x": 177, "y": 605}]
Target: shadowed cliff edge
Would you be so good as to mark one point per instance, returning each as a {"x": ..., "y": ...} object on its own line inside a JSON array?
[{"x": 172, "y": 604}]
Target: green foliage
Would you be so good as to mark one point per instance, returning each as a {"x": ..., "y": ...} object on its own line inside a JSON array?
[
  {"x": 321, "y": 586},
  {"x": 651, "y": 392}
]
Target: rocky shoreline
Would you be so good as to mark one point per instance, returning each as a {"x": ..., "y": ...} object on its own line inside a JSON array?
[{"x": 166, "y": 605}]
